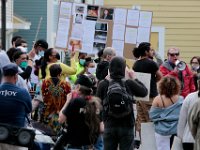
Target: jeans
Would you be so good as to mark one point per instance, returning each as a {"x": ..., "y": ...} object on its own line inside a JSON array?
[
  {"x": 118, "y": 136},
  {"x": 99, "y": 144}
]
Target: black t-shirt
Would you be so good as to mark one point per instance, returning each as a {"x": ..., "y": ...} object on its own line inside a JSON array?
[
  {"x": 133, "y": 87},
  {"x": 148, "y": 66},
  {"x": 77, "y": 130}
]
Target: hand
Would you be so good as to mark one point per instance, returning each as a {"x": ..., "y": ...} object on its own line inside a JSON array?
[
  {"x": 130, "y": 74},
  {"x": 62, "y": 118}
]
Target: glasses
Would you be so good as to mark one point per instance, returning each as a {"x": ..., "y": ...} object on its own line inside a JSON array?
[
  {"x": 194, "y": 63},
  {"x": 173, "y": 54}
]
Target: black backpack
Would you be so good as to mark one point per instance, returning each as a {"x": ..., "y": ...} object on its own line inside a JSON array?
[{"x": 118, "y": 102}]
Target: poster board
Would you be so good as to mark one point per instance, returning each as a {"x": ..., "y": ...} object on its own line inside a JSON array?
[
  {"x": 145, "y": 78},
  {"x": 90, "y": 28}
]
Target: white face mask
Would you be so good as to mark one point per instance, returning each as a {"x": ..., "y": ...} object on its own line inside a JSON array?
[
  {"x": 23, "y": 49},
  {"x": 195, "y": 67}
]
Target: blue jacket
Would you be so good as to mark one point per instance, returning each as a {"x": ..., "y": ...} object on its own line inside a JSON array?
[{"x": 166, "y": 119}]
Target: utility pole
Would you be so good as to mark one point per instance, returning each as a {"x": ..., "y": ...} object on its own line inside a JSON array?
[{"x": 3, "y": 24}]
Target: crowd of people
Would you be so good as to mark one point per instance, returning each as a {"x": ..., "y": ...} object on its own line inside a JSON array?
[{"x": 96, "y": 107}]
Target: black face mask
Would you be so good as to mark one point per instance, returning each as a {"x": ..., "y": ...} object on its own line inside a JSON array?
[{"x": 57, "y": 56}]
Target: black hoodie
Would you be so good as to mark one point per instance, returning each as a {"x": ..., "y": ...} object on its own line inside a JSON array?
[
  {"x": 117, "y": 68},
  {"x": 102, "y": 70}
]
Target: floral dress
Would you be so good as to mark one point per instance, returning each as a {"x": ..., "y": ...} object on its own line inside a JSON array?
[{"x": 54, "y": 98}]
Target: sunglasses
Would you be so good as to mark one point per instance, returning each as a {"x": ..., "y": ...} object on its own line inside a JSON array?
[{"x": 173, "y": 54}]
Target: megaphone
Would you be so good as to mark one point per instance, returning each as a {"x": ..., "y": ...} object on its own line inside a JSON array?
[{"x": 180, "y": 65}]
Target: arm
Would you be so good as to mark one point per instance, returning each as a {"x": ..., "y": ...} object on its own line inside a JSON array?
[
  {"x": 193, "y": 118},
  {"x": 158, "y": 75},
  {"x": 158, "y": 59},
  {"x": 27, "y": 72},
  {"x": 165, "y": 71},
  {"x": 182, "y": 118},
  {"x": 62, "y": 117},
  {"x": 137, "y": 88},
  {"x": 27, "y": 101},
  {"x": 69, "y": 70}
]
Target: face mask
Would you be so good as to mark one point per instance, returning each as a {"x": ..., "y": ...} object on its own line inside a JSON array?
[
  {"x": 195, "y": 68},
  {"x": 23, "y": 64},
  {"x": 82, "y": 62},
  {"x": 58, "y": 56},
  {"x": 41, "y": 53}
]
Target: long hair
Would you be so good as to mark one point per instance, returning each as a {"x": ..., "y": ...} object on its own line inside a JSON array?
[
  {"x": 47, "y": 53},
  {"x": 92, "y": 119}
]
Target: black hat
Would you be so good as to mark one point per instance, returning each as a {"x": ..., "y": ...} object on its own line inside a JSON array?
[
  {"x": 84, "y": 81},
  {"x": 42, "y": 43},
  {"x": 10, "y": 69}
]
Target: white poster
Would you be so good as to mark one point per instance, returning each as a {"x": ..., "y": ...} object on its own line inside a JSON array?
[
  {"x": 143, "y": 34},
  {"x": 145, "y": 19},
  {"x": 77, "y": 31},
  {"x": 118, "y": 32},
  {"x": 66, "y": 9},
  {"x": 133, "y": 17},
  {"x": 62, "y": 33},
  {"x": 131, "y": 35},
  {"x": 118, "y": 46},
  {"x": 145, "y": 79},
  {"x": 120, "y": 15}
]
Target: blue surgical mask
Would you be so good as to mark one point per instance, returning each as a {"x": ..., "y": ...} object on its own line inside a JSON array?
[
  {"x": 23, "y": 64},
  {"x": 41, "y": 53},
  {"x": 82, "y": 62}
]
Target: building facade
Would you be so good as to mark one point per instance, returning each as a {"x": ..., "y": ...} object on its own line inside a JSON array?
[{"x": 179, "y": 18}]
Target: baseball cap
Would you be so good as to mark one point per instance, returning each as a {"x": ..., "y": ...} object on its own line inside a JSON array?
[
  {"x": 10, "y": 69},
  {"x": 42, "y": 43}
]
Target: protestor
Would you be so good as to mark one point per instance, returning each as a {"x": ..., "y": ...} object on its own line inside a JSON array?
[
  {"x": 184, "y": 74},
  {"x": 194, "y": 117},
  {"x": 11, "y": 52},
  {"x": 39, "y": 47},
  {"x": 4, "y": 60},
  {"x": 183, "y": 130},
  {"x": 15, "y": 102},
  {"x": 119, "y": 131},
  {"x": 195, "y": 67},
  {"x": 14, "y": 39},
  {"x": 165, "y": 112},
  {"x": 21, "y": 44},
  {"x": 143, "y": 51},
  {"x": 81, "y": 67},
  {"x": 54, "y": 92},
  {"x": 102, "y": 67},
  {"x": 51, "y": 56},
  {"x": 81, "y": 111}
]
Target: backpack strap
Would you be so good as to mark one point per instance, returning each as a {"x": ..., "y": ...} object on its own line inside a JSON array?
[{"x": 131, "y": 97}]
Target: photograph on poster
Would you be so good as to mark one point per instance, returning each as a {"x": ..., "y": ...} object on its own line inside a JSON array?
[
  {"x": 77, "y": 43},
  {"x": 78, "y": 18},
  {"x": 101, "y": 26},
  {"x": 106, "y": 13},
  {"x": 79, "y": 9},
  {"x": 98, "y": 46},
  {"x": 100, "y": 37},
  {"x": 92, "y": 12}
]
